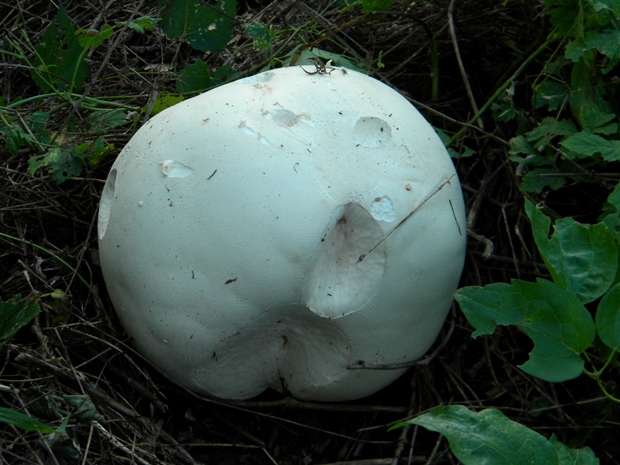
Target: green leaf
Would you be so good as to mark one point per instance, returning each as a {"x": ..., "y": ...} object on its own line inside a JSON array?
[
  {"x": 613, "y": 6},
  {"x": 520, "y": 145},
  {"x": 59, "y": 56},
  {"x": 141, "y": 24},
  {"x": 338, "y": 60},
  {"x": 611, "y": 212},
  {"x": 262, "y": 34},
  {"x": 23, "y": 421},
  {"x": 92, "y": 37},
  {"x": 551, "y": 94},
  {"x": 608, "y": 318},
  {"x": 61, "y": 162},
  {"x": 559, "y": 325},
  {"x": 163, "y": 101},
  {"x": 194, "y": 78},
  {"x": 16, "y": 313},
  {"x": 566, "y": 15},
  {"x": 581, "y": 259},
  {"x": 487, "y": 437},
  {"x": 85, "y": 410},
  {"x": 534, "y": 182},
  {"x": 207, "y": 28},
  {"x": 588, "y": 95},
  {"x": 606, "y": 42},
  {"x": 585, "y": 144},
  {"x": 568, "y": 456},
  {"x": 13, "y": 139},
  {"x": 101, "y": 122},
  {"x": 463, "y": 152},
  {"x": 197, "y": 77},
  {"x": 548, "y": 129}
]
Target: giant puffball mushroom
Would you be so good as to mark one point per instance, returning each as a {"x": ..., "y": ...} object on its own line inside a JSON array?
[{"x": 280, "y": 230}]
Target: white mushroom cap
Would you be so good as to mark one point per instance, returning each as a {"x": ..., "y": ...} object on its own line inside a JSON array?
[{"x": 232, "y": 225}]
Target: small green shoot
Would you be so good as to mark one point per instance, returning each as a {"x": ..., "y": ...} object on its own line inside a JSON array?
[{"x": 27, "y": 423}]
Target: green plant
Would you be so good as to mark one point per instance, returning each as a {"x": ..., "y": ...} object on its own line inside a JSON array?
[
  {"x": 574, "y": 318},
  {"x": 489, "y": 437},
  {"x": 16, "y": 313},
  {"x": 578, "y": 90},
  {"x": 28, "y": 423},
  {"x": 60, "y": 69}
]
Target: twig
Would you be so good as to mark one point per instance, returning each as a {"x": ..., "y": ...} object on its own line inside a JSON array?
[
  {"x": 489, "y": 247},
  {"x": 455, "y": 44},
  {"x": 388, "y": 234}
]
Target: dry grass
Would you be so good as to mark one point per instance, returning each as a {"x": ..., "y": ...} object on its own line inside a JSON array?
[{"x": 78, "y": 347}]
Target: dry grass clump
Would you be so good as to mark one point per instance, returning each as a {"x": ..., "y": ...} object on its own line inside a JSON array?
[{"x": 75, "y": 358}]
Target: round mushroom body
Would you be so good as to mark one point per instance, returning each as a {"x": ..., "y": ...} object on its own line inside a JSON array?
[{"x": 278, "y": 230}]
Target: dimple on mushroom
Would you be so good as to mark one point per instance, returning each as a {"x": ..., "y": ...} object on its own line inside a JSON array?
[{"x": 277, "y": 230}]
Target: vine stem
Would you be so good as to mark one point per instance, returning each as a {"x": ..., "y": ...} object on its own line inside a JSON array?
[{"x": 550, "y": 39}]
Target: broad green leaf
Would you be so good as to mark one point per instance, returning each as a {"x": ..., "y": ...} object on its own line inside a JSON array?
[
  {"x": 566, "y": 15},
  {"x": 207, "y": 28},
  {"x": 585, "y": 144},
  {"x": 59, "y": 60},
  {"x": 194, "y": 78},
  {"x": 197, "y": 77},
  {"x": 15, "y": 313},
  {"x": 13, "y": 139},
  {"x": 487, "y": 437},
  {"x": 608, "y": 318},
  {"x": 504, "y": 111},
  {"x": 551, "y": 94},
  {"x": 611, "y": 212},
  {"x": 85, "y": 409},
  {"x": 559, "y": 325},
  {"x": 612, "y": 6},
  {"x": 581, "y": 259},
  {"x": 548, "y": 129},
  {"x": 22, "y": 421},
  {"x": 606, "y": 42},
  {"x": 520, "y": 145},
  {"x": 568, "y": 456},
  {"x": 535, "y": 181},
  {"x": 587, "y": 98},
  {"x": 100, "y": 122},
  {"x": 61, "y": 162}
]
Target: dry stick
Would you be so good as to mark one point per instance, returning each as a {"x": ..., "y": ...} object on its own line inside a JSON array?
[
  {"x": 550, "y": 39},
  {"x": 91, "y": 389},
  {"x": 489, "y": 247},
  {"x": 388, "y": 234},
  {"x": 402, "y": 440},
  {"x": 115, "y": 442},
  {"x": 45, "y": 443},
  {"x": 399, "y": 366},
  {"x": 512, "y": 246},
  {"x": 96, "y": 393},
  {"x": 455, "y": 44}
]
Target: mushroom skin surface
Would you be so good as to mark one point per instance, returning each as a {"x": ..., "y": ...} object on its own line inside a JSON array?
[{"x": 277, "y": 230}]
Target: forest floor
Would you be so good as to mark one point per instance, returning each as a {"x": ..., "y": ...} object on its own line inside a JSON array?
[{"x": 130, "y": 413}]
